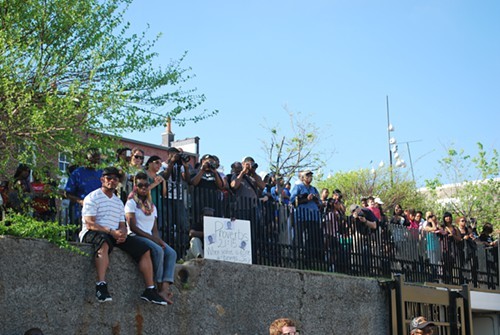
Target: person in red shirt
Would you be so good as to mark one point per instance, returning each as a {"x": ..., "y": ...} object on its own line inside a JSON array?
[
  {"x": 43, "y": 202},
  {"x": 373, "y": 206}
]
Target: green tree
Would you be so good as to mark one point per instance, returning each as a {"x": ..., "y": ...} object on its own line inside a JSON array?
[
  {"x": 473, "y": 185},
  {"x": 294, "y": 149},
  {"x": 364, "y": 182},
  {"x": 70, "y": 68}
]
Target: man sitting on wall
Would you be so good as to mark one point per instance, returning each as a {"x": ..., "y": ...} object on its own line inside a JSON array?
[{"x": 104, "y": 226}]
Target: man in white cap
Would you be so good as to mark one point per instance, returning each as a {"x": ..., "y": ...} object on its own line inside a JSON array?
[{"x": 307, "y": 216}]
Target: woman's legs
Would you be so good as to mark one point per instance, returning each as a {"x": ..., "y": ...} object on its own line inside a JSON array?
[{"x": 169, "y": 260}]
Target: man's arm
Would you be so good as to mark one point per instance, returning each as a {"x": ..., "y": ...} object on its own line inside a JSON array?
[
  {"x": 218, "y": 180},
  {"x": 70, "y": 190},
  {"x": 185, "y": 174},
  {"x": 369, "y": 219},
  {"x": 294, "y": 194},
  {"x": 236, "y": 180},
  {"x": 258, "y": 180},
  {"x": 73, "y": 198},
  {"x": 154, "y": 236},
  {"x": 197, "y": 178}
]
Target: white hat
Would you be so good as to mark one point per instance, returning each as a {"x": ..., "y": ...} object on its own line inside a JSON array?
[{"x": 378, "y": 201}]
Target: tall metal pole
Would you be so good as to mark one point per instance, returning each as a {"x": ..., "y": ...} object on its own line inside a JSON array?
[
  {"x": 411, "y": 163},
  {"x": 389, "y": 138},
  {"x": 409, "y": 156}
]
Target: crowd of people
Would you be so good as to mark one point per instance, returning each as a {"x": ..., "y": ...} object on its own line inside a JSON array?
[{"x": 151, "y": 207}]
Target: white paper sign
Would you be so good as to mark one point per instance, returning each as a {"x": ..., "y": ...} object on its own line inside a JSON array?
[{"x": 227, "y": 240}]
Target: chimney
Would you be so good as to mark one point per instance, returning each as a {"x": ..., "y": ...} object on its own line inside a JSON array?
[{"x": 167, "y": 137}]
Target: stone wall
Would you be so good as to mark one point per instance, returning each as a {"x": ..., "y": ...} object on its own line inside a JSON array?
[{"x": 53, "y": 289}]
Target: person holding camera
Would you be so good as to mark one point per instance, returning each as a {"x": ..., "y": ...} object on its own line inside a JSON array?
[
  {"x": 207, "y": 176},
  {"x": 177, "y": 175},
  {"x": 247, "y": 187},
  {"x": 208, "y": 185},
  {"x": 364, "y": 222},
  {"x": 307, "y": 216}
]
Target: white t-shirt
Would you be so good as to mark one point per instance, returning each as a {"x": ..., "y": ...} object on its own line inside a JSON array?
[
  {"x": 144, "y": 222},
  {"x": 108, "y": 212},
  {"x": 175, "y": 192}
]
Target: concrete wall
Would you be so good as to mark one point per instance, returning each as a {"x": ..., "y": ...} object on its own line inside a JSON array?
[{"x": 43, "y": 286}]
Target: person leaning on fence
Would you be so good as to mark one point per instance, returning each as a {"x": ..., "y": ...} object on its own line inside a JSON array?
[
  {"x": 141, "y": 215},
  {"x": 21, "y": 193},
  {"x": 308, "y": 223},
  {"x": 337, "y": 195},
  {"x": 208, "y": 185},
  {"x": 364, "y": 222},
  {"x": 247, "y": 186},
  {"x": 81, "y": 182},
  {"x": 420, "y": 326},
  {"x": 283, "y": 326},
  {"x": 134, "y": 165},
  {"x": 177, "y": 175},
  {"x": 485, "y": 238},
  {"x": 104, "y": 227}
]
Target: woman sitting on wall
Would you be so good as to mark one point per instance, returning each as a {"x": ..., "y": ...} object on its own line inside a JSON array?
[{"x": 141, "y": 216}]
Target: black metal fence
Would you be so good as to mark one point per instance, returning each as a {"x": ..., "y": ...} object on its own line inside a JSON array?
[{"x": 283, "y": 236}]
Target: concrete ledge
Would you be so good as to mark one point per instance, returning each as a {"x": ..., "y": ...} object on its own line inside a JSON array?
[{"x": 44, "y": 286}]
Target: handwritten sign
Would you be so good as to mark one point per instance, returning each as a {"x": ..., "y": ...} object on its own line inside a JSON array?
[{"x": 227, "y": 240}]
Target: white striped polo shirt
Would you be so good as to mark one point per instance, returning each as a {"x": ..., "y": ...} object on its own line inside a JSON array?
[{"x": 109, "y": 212}]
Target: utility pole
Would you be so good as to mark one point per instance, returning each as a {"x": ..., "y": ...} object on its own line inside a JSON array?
[
  {"x": 409, "y": 156},
  {"x": 389, "y": 129}
]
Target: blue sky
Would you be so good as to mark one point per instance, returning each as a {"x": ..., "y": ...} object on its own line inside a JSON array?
[{"x": 335, "y": 62}]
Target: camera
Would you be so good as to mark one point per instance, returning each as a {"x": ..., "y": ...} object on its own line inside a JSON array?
[
  {"x": 212, "y": 165},
  {"x": 255, "y": 166},
  {"x": 185, "y": 157}
]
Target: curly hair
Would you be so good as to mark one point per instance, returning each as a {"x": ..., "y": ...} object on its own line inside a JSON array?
[{"x": 278, "y": 324}]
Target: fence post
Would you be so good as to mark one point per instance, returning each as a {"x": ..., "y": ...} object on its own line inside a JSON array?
[
  {"x": 465, "y": 293},
  {"x": 498, "y": 263},
  {"x": 399, "y": 281}
]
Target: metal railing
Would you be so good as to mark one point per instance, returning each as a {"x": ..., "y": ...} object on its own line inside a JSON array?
[{"x": 283, "y": 236}]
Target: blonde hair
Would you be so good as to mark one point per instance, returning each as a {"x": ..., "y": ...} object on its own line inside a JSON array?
[{"x": 278, "y": 324}]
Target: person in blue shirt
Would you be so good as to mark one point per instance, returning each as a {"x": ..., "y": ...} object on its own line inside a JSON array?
[
  {"x": 81, "y": 182},
  {"x": 307, "y": 220}
]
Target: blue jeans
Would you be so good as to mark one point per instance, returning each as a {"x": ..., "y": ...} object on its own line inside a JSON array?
[{"x": 163, "y": 261}]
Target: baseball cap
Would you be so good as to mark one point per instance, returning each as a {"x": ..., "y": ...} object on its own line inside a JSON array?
[
  {"x": 420, "y": 322},
  {"x": 306, "y": 172},
  {"x": 152, "y": 159},
  {"x": 110, "y": 170},
  {"x": 207, "y": 156},
  {"x": 353, "y": 207},
  {"x": 378, "y": 201}
]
